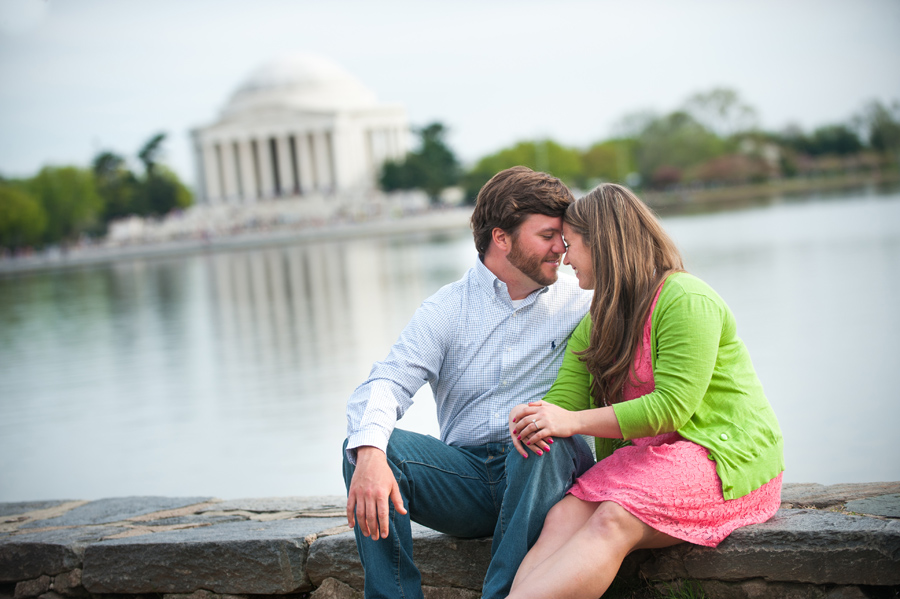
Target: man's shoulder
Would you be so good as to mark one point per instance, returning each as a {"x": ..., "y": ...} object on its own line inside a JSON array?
[{"x": 452, "y": 294}]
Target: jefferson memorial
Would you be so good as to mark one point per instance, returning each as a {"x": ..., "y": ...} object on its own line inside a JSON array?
[{"x": 300, "y": 128}]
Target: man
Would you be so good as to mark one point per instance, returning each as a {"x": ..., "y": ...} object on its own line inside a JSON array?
[{"x": 490, "y": 341}]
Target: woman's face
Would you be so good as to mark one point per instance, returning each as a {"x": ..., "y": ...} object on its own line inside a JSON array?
[{"x": 578, "y": 256}]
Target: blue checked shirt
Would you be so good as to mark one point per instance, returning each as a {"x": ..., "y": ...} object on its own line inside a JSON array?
[{"x": 480, "y": 355}]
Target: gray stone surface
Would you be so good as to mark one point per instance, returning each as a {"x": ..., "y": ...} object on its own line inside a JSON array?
[
  {"x": 257, "y": 558},
  {"x": 193, "y": 519},
  {"x": 27, "y": 556},
  {"x": 282, "y": 504},
  {"x": 882, "y": 505},
  {"x": 69, "y": 584},
  {"x": 807, "y": 546},
  {"x": 801, "y": 495},
  {"x": 23, "y": 507},
  {"x": 33, "y": 588},
  {"x": 106, "y": 511},
  {"x": 760, "y": 589},
  {"x": 331, "y": 588},
  {"x": 443, "y": 561}
]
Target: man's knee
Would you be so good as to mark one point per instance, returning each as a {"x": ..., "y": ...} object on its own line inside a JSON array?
[{"x": 567, "y": 455}]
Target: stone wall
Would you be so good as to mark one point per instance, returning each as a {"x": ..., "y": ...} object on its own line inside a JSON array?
[{"x": 834, "y": 541}]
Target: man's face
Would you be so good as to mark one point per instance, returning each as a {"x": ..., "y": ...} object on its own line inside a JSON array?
[{"x": 537, "y": 248}]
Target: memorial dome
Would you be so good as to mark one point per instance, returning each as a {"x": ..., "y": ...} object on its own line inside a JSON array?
[{"x": 303, "y": 82}]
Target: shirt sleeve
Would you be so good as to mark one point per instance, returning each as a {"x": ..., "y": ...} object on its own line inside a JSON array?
[
  {"x": 415, "y": 359},
  {"x": 688, "y": 330},
  {"x": 572, "y": 388}
]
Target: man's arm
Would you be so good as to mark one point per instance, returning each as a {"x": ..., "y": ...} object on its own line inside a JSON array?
[{"x": 377, "y": 404}]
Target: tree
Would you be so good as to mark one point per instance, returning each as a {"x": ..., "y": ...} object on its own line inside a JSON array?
[
  {"x": 610, "y": 160},
  {"x": 838, "y": 140},
  {"x": 22, "y": 218},
  {"x": 431, "y": 168},
  {"x": 881, "y": 123},
  {"x": 544, "y": 155},
  {"x": 70, "y": 199},
  {"x": 722, "y": 111},
  {"x": 162, "y": 191},
  {"x": 676, "y": 141},
  {"x": 117, "y": 185},
  {"x": 150, "y": 153}
]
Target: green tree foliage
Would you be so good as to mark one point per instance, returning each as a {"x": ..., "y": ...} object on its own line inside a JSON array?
[
  {"x": 836, "y": 140},
  {"x": 156, "y": 192},
  {"x": 881, "y": 123},
  {"x": 161, "y": 191},
  {"x": 116, "y": 185},
  {"x": 610, "y": 160},
  {"x": 545, "y": 155},
  {"x": 432, "y": 167},
  {"x": 723, "y": 111},
  {"x": 70, "y": 200},
  {"x": 673, "y": 143},
  {"x": 22, "y": 218}
]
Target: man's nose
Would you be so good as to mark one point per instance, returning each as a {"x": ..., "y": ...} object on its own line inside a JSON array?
[{"x": 559, "y": 246}]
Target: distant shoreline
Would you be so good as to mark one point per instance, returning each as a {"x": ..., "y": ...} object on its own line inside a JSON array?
[
  {"x": 449, "y": 219},
  {"x": 679, "y": 201}
]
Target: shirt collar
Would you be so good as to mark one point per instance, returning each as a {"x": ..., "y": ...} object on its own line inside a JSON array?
[{"x": 489, "y": 280}]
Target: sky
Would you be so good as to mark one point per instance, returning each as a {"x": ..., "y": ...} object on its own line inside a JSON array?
[{"x": 81, "y": 76}]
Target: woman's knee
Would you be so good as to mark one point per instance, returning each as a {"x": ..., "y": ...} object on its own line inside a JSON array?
[{"x": 611, "y": 520}]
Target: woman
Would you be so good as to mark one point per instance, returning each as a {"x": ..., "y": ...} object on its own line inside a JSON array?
[{"x": 656, "y": 361}]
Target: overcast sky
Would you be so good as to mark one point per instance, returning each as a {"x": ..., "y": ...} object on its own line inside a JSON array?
[{"x": 80, "y": 76}]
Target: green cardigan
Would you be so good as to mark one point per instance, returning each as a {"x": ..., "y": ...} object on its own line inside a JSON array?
[{"x": 706, "y": 388}]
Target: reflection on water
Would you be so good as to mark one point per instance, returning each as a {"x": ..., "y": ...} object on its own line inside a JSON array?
[{"x": 227, "y": 374}]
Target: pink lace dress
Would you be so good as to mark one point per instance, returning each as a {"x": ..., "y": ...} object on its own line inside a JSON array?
[{"x": 669, "y": 483}]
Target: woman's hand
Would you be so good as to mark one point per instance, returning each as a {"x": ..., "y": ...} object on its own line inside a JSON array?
[{"x": 534, "y": 425}]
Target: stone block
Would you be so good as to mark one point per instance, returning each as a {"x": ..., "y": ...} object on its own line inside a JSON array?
[
  {"x": 257, "y": 558},
  {"x": 807, "y": 546},
  {"x": 760, "y": 589},
  {"x": 69, "y": 584},
  {"x": 881, "y": 505},
  {"x": 28, "y": 556},
  {"x": 106, "y": 511},
  {"x": 449, "y": 593},
  {"x": 331, "y": 588},
  {"x": 444, "y": 561},
  {"x": 32, "y": 588},
  {"x": 23, "y": 507},
  {"x": 324, "y": 503},
  {"x": 823, "y": 496}
]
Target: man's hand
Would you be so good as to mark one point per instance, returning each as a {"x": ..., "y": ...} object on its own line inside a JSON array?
[{"x": 371, "y": 487}]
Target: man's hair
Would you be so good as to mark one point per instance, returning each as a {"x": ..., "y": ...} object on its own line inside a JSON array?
[{"x": 510, "y": 197}]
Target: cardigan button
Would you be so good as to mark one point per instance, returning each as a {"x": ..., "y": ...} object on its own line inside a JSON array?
[{"x": 723, "y": 436}]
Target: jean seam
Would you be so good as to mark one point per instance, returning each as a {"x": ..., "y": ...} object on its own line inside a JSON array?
[{"x": 433, "y": 467}]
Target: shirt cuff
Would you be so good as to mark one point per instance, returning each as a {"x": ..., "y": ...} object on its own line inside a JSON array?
[{"x": 363, "y": 439}]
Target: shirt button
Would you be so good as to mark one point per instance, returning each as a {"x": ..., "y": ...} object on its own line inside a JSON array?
[{"x": 723, "y": 436}]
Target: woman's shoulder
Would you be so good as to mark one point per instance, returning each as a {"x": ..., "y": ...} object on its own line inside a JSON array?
[{"x": 683, "y": 283}]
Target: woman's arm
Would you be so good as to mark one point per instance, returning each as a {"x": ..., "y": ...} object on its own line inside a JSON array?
[{"x": 688, "y": 328}]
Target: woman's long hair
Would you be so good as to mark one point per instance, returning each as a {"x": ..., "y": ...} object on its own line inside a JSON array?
[{"x": 631, "y": 256}]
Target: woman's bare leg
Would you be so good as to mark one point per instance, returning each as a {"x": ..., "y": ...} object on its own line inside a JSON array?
[
  {"x": 563, "y": 521},
  {"x": 585, "y": 565}
]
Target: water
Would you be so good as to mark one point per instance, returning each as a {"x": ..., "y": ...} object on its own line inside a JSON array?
[{"x": 226, "y": 374}]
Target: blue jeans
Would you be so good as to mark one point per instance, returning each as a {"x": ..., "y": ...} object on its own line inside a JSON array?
[{"x": 466, "y": 492}]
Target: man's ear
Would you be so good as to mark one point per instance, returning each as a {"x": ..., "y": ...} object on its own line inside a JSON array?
[{"x": 501, "y": 239}]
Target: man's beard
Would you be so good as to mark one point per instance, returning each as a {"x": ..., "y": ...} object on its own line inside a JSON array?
[{"x": 530, "y": 265}]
